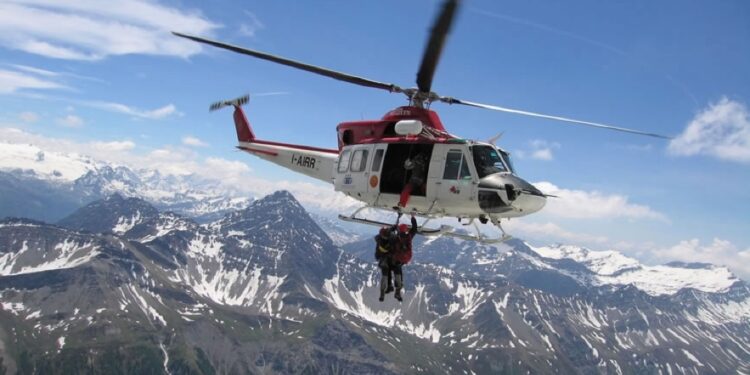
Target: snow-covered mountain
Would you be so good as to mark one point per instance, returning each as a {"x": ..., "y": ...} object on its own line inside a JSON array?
[
  {"x": 58, "y": 183},
  {"x": 264, "y": 289},
  {"x": 613, "y": 268}
]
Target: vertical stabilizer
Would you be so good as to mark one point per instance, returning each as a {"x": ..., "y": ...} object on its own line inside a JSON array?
[{"x": 244, "y": 131}]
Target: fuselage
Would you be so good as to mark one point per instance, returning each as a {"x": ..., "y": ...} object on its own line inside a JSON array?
[
  {"x": 459, "y": 178},
  {"x": 456, "y": 183}
]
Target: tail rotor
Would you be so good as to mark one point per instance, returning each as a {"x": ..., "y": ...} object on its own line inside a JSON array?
[{"x": 237, "y": 102}]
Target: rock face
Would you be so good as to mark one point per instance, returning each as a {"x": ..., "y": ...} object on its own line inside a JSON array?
[{"x": 119, "y": 286}]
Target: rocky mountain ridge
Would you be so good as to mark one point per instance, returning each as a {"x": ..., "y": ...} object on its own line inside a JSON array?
[{"x": 264, "y": 289}]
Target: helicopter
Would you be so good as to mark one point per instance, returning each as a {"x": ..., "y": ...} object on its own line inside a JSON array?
[{"x": 407, "y": 161}]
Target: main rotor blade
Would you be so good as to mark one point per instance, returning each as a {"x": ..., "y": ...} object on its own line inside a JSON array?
[
  {"x": 435, "y": 45},
  {"x": 558, "y": 118},
  {"x": 296, "y": 64}
]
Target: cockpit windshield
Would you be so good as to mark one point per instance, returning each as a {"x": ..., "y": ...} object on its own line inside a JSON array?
[
  {"x": 487, "y": 160},
  {"x": 508, "y": 161}
]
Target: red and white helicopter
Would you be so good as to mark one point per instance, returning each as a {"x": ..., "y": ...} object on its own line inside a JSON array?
[{"x": 461, "y": 178}]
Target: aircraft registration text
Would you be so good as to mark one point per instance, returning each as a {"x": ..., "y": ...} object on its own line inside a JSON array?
[{"x": 303, "y": 161}]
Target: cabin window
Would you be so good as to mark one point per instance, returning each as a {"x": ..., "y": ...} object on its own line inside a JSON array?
[
  {"x": 377, "y": 160},
  {"x": 344, "y": 161},
  {"x": 359, "y": 161},
  {"x": 455, "y": 166}
]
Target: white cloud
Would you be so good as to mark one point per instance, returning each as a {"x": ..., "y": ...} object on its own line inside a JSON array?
[
  {"x": 551, "y": 232},
  {"x": 544, "y": 154},
  {"x": 27, "y": 77},
  {"x": 252, "y": 26},
  {"x": 113, "y": 146},
  {"x": 51, "y": 74},
  {"x": 153, "y": 114},
  {"x": 580, "y": 204},
  {"x": 13, "y": 81},
  {"x": 28, "y": 117},
  {"x": 722, "y": 130},
  {"x": 93, "y": 30},
  {"x": 539, "y": 149},
  {"x": 720, "y": 252},
  {"x": 70, "y": 121},
  {"x": 193, "y": 141},
  {"x": 37, "y": 71}
]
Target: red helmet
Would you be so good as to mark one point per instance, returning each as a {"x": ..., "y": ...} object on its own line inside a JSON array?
[{"x": 403, "y": 228}]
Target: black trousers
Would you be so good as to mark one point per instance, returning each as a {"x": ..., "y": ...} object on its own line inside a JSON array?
[
  {"x": 386, "y": 273},
  {"x": 398, "y": 272}
]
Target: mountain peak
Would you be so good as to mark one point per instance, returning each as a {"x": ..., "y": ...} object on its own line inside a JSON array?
[
  {"x": 113, "y": 214},
  {"x": 281, "y": 203},
  {"x": 278, "y": 212},
  {"x": 280, "y": 196}
]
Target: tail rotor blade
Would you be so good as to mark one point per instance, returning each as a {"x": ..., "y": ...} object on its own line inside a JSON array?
[
  {"x": 242, "y": 100},
  {"x": 435, "y": 45},
  {"x": 550, "y": 117}
]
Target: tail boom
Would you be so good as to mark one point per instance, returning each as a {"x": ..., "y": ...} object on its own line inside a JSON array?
[{"x": 311, "y": 161}]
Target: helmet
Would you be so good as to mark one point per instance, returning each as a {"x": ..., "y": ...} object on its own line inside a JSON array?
[
  {"x": 403, "y": 228},
  {"x": 384, "y": 232}
]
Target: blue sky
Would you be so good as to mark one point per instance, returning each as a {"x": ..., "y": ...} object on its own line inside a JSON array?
[{"x": 109, "y": 76}]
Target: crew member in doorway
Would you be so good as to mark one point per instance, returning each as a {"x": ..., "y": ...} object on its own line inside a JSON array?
[
  {"x": 417, "y": 166},
  {"x": 385, "y": 243},
  {"x": 402, "y": 253}
]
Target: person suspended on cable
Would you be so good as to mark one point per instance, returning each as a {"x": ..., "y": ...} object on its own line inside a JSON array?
[
  {"x": 402, "y": 253},
  {"x": 385, "y": 243}
]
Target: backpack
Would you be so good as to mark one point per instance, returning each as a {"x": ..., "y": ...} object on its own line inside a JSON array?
[{"x": 382, "y": 247}]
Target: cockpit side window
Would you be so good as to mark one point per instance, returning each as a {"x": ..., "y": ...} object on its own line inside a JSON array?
[
  {"x": 464, "y": 173},
  {"x": 487, "y": 160},
  {"x": 456, "y": 167}
]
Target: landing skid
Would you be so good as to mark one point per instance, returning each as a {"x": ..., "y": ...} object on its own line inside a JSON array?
[{"x": 444, "y": 230}]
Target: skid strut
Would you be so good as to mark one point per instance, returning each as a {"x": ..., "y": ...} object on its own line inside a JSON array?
[{"x": 443, "y": 230}]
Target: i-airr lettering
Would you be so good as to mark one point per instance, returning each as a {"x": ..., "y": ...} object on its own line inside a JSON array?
[{"x": 304, "y": 161}]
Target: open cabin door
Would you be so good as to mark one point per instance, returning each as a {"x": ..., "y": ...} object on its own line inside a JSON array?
[{"x": 394, "y": 176}]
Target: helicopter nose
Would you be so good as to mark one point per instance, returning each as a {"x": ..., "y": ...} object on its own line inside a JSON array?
[{"x": 506, "y": 193}]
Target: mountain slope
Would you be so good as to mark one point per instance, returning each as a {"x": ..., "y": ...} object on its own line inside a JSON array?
[{"x": 264, "y": 290}]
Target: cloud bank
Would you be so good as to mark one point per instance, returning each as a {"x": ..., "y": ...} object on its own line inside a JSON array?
[
  {"x": 580, "y": 204},
  {"x": 93, "y": 30},
  {"x": 722, "y": 130}
]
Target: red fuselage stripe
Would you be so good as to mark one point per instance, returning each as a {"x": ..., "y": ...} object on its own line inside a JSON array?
[
  {"x": 248, "y": 149},
  {"x": 298, "y": 147}
]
